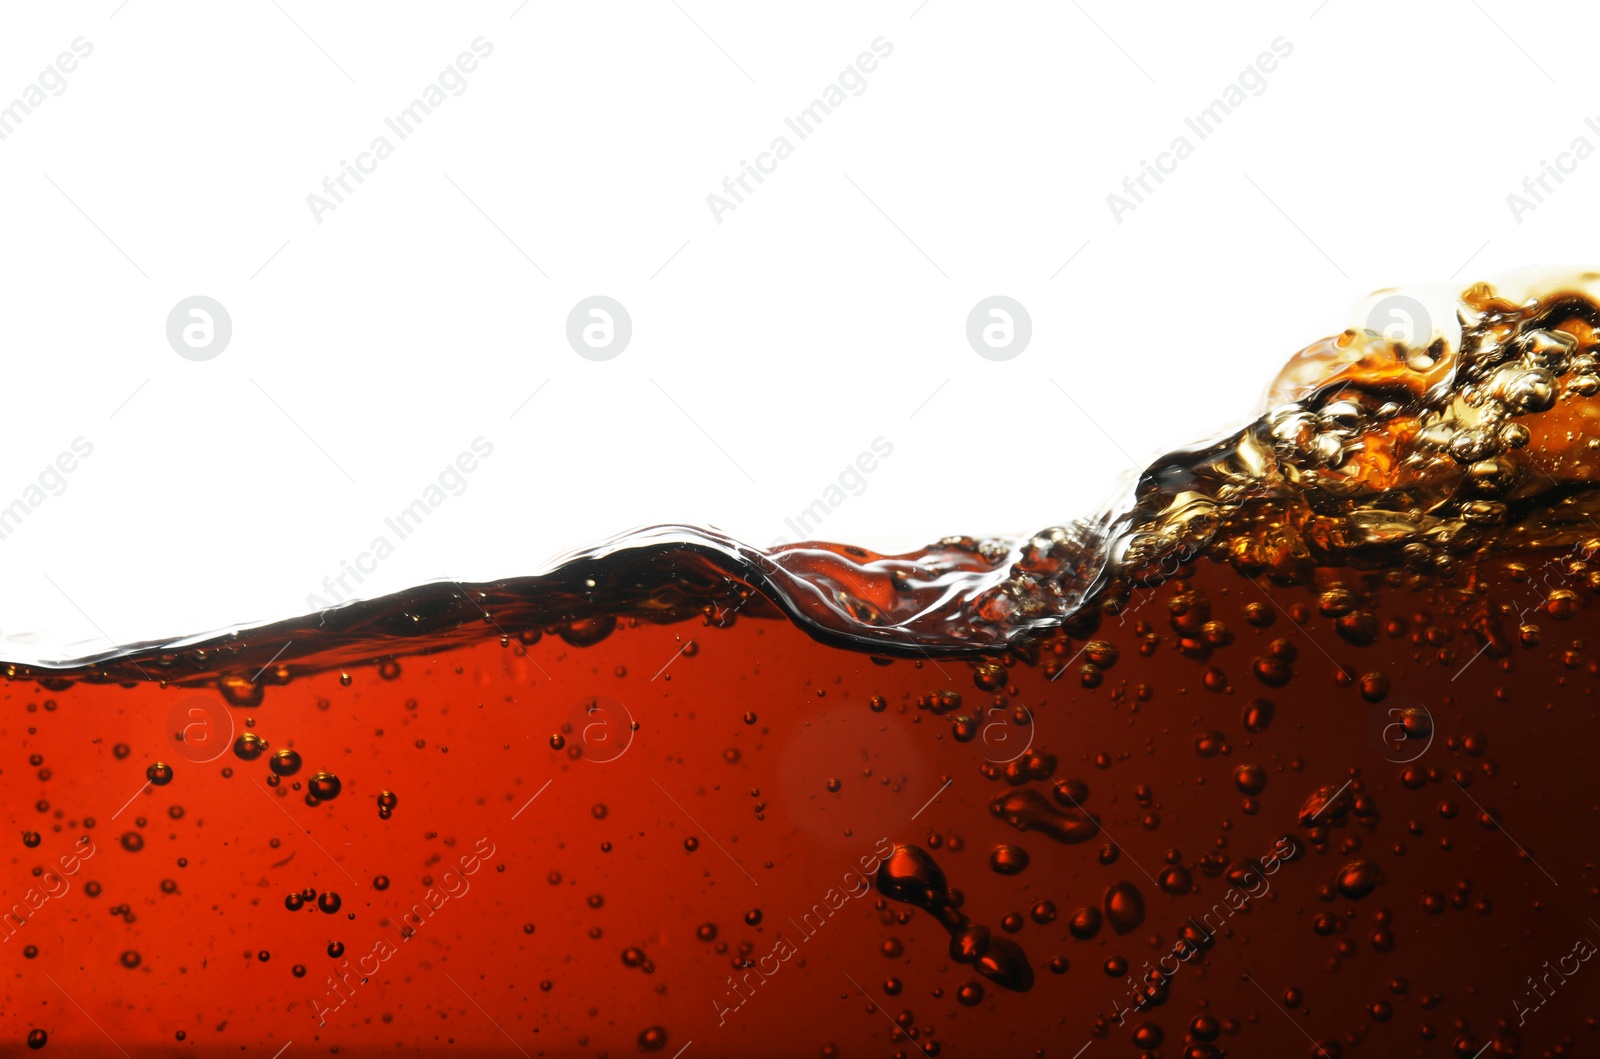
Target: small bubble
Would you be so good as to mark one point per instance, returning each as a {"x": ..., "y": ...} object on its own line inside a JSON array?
[
  {"x": 241, "y": 691},
  {"x": 1258, "y": 714},
  {"x": 249, "y": 746},
  {"x": 160, "y": 773},
  {"x": 1085, "y": 923},
  {"x": 1148, "y": 1036},
  {"x": 1124, "y": 907},
  {"x": 1175, "y": 880},
  {"x": 1008, "y": 859},
  {"x": 1358, "y": 878},
  {"x": 1250, "y": 779}
]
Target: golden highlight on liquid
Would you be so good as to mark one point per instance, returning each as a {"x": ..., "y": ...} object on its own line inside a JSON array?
[{"x": 1290, "y": 758}]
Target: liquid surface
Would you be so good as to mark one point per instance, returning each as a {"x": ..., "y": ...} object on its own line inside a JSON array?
[{"x": 1290, "y": 758}]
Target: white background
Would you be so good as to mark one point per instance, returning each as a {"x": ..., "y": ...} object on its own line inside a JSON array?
[{"x": 768, "y": 349}]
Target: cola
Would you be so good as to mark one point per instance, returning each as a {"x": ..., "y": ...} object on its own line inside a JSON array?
[{"x": 1289, "y": 757}]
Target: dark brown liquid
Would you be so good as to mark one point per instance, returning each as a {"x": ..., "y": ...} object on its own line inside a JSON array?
[{"x": 1293, "y": 757}]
